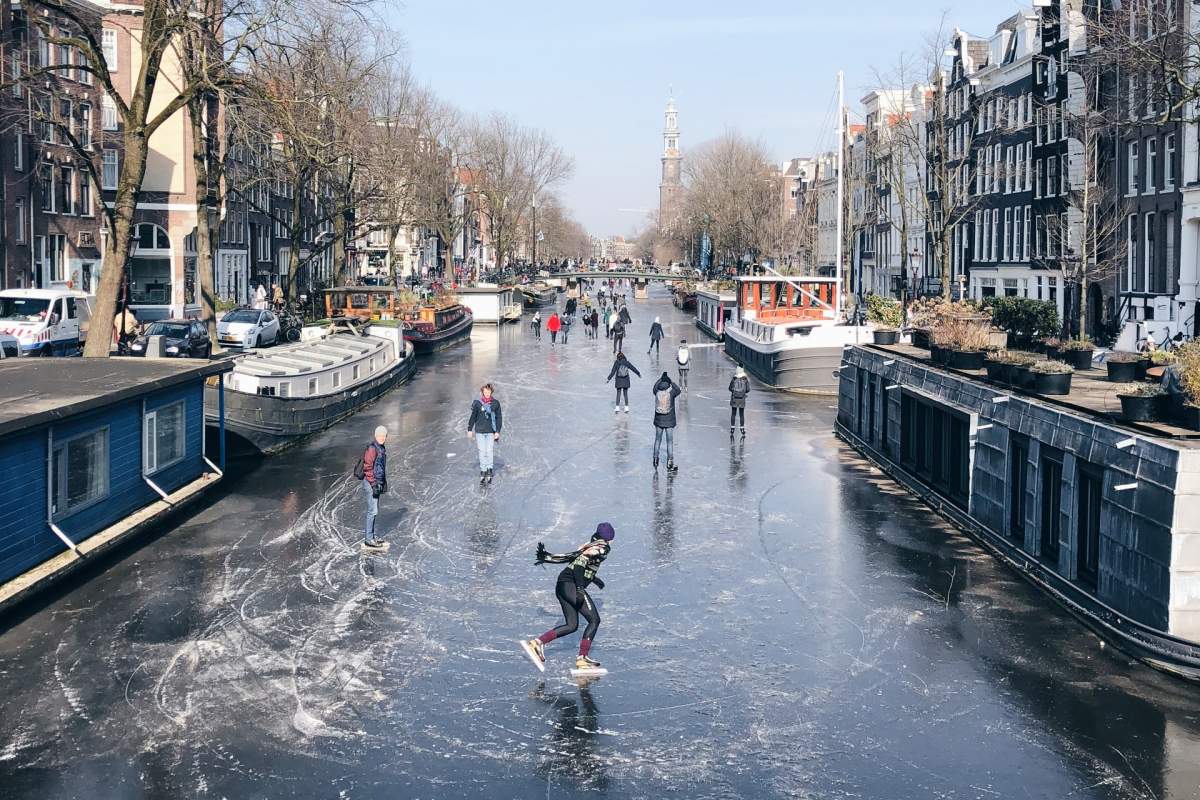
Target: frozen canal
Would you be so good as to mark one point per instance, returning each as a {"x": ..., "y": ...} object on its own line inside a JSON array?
[{"x": 778, "y": 622}]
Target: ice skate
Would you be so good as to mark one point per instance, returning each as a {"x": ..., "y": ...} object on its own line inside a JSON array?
[
  {"x": 491, "y": 473},
  {"x": 587, "y": 668},
  {"x": 482, "y": 477},
  {"x": 626, "y": 409},
  {"x": 375, "y": 547},
  {"x": 616, "y": 409},
  {"x": 672, "y": 466},
  {"x": 533, "y": 649}
]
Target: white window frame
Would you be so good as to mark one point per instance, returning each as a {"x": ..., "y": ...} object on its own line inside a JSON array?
[
  {"x": 105, "y": 163},
  {"x": 1169, "y": 161},
  {"x": 1151, "y": 165},
  {"x": 1131, "y": 168},
  {"x": 22, "y": 221},
  {"x": 108, "y": 48},
  {"x": 150, "y": 461},
  {"x": 57, "y": 488}
]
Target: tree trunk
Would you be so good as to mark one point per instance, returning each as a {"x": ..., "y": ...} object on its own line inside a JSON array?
[
  {"x": 116, "y": 251},
  {"x": 339, "y": 250},
  {"x": 204, "y": 249},
  {"x": 447, "y": 261}
]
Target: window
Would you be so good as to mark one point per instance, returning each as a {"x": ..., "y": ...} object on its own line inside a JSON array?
[
  {"x": 979, "y": 234},
  {"x": 79, "y": 473},
  {"x": 1007, "y": 247},
  {"x": 82, "y": 75},
  {"x": 109, "y": 168},
  {"x": 163, "y": 437},
  {"x": 1064, "y": 174},
  {"x": 65, "y": 201},
  {"x": 935, "y": 446},
  {"x": 1016, "y": 238},
  {"x": 1151, "y": 164},
  {"x": 1050, "y": 471},
  {"x": 46, "y": 187},
  {"x": 19, "y": 151},
  {"x": 85, "y": 125},
  {"x": 1131, "y": 249},
  {"x": 85, "y": 194},
  {"x": 312, "y": 387},
  {"x": 994, "y": 250},
  {"x": 1051, "y": 175},
  {"x": 337, "y": 378},
  {"x": 1131, "y": 168},
  {"x": 108, "y": 47},
  {"x": 21, "y": 222},
  {"x": 1167, "y": 266},
  {"x": 357, "y": 371},
  {"x": 1025, "y": 235},
  {"x": 62, "y": 57},
  {"x": 108, "y": 113},
  {"x": 1037, "y": 185},
  {"x": 15, "y": 72},
  {"x": 1089, "y": 493},
  {"x": 1169, "y": 161},
  {"x": 1018, "y": 486},
  {"x": 57, "y": 257},
  {"x": 285, "y": 389},
  {"x": 1150, "y": 259}
]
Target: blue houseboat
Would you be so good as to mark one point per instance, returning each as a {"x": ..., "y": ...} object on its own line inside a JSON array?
[{"x": 92, "y": 452}]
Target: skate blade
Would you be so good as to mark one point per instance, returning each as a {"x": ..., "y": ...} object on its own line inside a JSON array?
[
  {"x": 594, "y": 672},
  {"x": 375, "y": 550},
  {"x": 532, "y": 656}
]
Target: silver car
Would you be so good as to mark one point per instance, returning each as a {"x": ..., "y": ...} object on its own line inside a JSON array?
[
  {"x": 9, "y": 346},
  {"x": 248, "y": 327}
]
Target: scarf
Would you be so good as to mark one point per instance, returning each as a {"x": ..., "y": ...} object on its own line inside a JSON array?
[{"x": 485, "y": 405}]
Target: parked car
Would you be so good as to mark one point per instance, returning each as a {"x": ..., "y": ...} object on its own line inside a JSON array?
[
  {"x": 182, "y": 338},
  {"x": 248, "y": 327},
  {"x": 9, "y": 346},
  {"x": 46, "y": 322}
]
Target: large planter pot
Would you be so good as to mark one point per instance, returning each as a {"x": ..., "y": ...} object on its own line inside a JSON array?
[
  {"x": 1052, "y": 383},
  {"x": 886, "y": 335},
  {"x": 1142, "y": 365},
  {"x": 1188, "y": 416},
  {"x": 1136, "y": 408},
  {"x": 999, "y": 371},
  {"x": 1123, "y": 371},
  {"x": 920, "y": 338},
  {"x": 1053, "y": 353},
  {"x": 939, "y": 354},
  {"x": 966, "y": 359},
  {"x": 1078, "y": 359},
  {"x": 998, "y": 339},
  {"x": 1022, "y": 377}
]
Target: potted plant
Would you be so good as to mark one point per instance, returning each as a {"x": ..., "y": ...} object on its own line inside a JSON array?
[
  {"x": 940, "y": 341},
  {"x": 1022, "y": 371},
  {"x": 1052, "y": 347},
  {"x": 1052, "y": 377},
  {"x": 1123, "y": 367},
  {"x": 968, "y": 336},
  {"x": 1001, "y": 365},
  {"x": 1188, "y": 367},
  {"x": 922, "y": 316},
  {"x": 1142, "y": 402},
  {"x": 885, "y": 314},
  {"x": 1078, "y": 353}
]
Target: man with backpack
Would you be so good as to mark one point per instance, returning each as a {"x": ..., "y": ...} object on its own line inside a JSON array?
[
  {"x": 371, "y": 469},
  {"x": 683, "y": 357},
  {"x": 618, "y": 335},
  {"x": 665, "y": 392},
  {"x": 620, "y": 370}
]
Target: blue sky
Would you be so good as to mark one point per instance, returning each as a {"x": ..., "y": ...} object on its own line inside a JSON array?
[{"x": 595, "y": 75}]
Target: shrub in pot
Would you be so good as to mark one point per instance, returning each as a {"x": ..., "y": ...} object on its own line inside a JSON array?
[
  {"x": 1142, "y": 402},
  {"x": 1078, "y": 353},
  {"x": 1022, "y": 370},
  {"x": 1052, "y": 347},
  {"x": 1000, "y": 365},
  {"x": 920, "y": 338},
  {"x": 1123, "y": 367},
  {"x": 1051, "y": 377},
  {"x": 1188, "y": 368},
  {"x": 886, "y": 315}
]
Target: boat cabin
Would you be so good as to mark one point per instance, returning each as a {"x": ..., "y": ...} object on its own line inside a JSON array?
[
  {"x": 364, "y": 302},
  {"x": 771, "y": 307},
  {"x": 714, "y": 310}
]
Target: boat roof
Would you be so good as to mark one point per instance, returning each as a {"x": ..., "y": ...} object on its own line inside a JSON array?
[
  {"x": 718, "y": 294},
  {"x": 43, "y": 294},
  {"x": 37, "y": 391},
  {"x": 305, "y": 357},
  {"x": 785, "y": 278},
  {"x": 483, "y": 289}
]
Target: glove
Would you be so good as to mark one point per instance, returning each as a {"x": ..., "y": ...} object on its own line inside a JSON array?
[
  {"x": 376, "y": 490},
  {"x": 599, "y": 583},
  {"x": 541, "y": 554}
]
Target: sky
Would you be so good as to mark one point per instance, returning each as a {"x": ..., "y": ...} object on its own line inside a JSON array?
[{"x": 595, "y": 74}]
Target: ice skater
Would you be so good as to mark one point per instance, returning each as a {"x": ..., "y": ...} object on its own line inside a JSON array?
[
  {"x": 618, "y": 335},
  {"x": 372, "y": 470},
  {"x": 535, "y": 324},
  {"x": 484, "y": 428},
  {"x": 620, "y": 370},
  {"x": 656, "y": 336},
  {"x": 683, "y": 357},
  {"x": 553, "y": 325},
  {"x": 739, "y": 387},
  {"x": 665, "y": 391},
  {"x": 571, "y": 591}
]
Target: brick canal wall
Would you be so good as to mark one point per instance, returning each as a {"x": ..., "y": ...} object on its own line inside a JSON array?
[{"x": 1110, "y": 526}]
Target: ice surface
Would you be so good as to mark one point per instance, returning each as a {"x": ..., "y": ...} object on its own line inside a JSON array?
[{"x": 779, "y": 620}]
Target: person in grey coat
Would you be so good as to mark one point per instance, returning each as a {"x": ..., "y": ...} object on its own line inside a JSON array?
[
  {"x": 620, "y": 370},
  {"x": 739, "y": 387},
  {"x": 665, "y": 391}
]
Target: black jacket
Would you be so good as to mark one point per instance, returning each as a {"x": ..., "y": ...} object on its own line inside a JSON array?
[
  {"x": 665, "y": 420},
  {"x": 656, "y": 332},
  {"x": 618, "y": 328},
  {"x": 624, "y": 315},
  {"x": 622, "y": 383},
  {"x": 481, "y": 422}
]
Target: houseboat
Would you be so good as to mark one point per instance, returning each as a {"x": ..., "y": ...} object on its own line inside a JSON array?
[
  {"x": 538, "y": 295},
  {"x": 431, "y": 325},
  {"x": 94, "y": 454},
  {"x": 684, "y": 296},
  {"x": 491, "y": 305},
  {"x": 787, "y": 331},
  {"x": 276, "y": 397},
  {"x": 714, "y": 309}
]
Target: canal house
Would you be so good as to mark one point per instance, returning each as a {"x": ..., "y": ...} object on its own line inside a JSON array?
[{"x": 91, "y": 452}]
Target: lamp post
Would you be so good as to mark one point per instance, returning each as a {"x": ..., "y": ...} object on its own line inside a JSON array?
[{"x": 533, "y": 235}]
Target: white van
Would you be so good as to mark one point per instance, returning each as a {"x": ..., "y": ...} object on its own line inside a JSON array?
[{"x": 46, "y": 322}]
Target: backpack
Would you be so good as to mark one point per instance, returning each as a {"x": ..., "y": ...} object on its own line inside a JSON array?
[
  {"x": 662, "y": 401},
  {"x": 683, "y": 356},
  {"x": 622, "y": 370},
  {"x": 360, "y": 467}
]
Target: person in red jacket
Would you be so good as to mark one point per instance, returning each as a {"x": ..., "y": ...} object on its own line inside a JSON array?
[{"x": 553, "y": 325}]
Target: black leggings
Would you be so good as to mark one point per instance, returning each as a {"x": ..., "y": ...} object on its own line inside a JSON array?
[
  {"x": 734, "y": 413},
  {"x": 625, "y": 392},
  {"x": 575, "y": 602}
]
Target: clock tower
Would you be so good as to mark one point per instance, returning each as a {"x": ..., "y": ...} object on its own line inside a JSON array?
[{"x": 670, "y": 189}]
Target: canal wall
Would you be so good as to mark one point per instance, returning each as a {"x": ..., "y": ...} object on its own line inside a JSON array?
[{"x": 1105, "y": 519}]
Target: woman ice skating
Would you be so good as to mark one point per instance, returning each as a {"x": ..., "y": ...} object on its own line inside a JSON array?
[
  {"x": 625, "y": 318},
  {"x": 683, "y": 357},
  {"x": 739, "y": 387},
  {"x": 571, "y": 591},
  {"x": 656, "y": 336},
  {"x": 484, "y": 427},
  {"x": 553, "y": 324},
  {"x": 665, "y": 391},
  {"x": 536, "y": 324},
  {"x": 620, "y": 370}
]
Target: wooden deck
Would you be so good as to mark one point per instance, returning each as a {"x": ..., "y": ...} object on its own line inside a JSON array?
[{"x": 1092, "y": 394}]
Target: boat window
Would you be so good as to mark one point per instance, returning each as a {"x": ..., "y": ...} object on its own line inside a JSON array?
[
  {"x": 79, "y": 473},
  {"x": 337, "y": 379},
  {"x": 312, "y": 386},
  {"x": 372, "y": 363},
  {"x": 359, "y": 300},
  {"x": 800, "y": 330},
  {"x": 380, "y": 301},
  {"x": 285, "y": 389},
  {"x": 357, "y": 371}
]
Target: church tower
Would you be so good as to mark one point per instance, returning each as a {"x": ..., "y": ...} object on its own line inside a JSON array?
[{"x": 670, "y": 190}]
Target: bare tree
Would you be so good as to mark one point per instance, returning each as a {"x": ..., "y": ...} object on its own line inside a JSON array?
[{"x": 438, "y": 187}]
